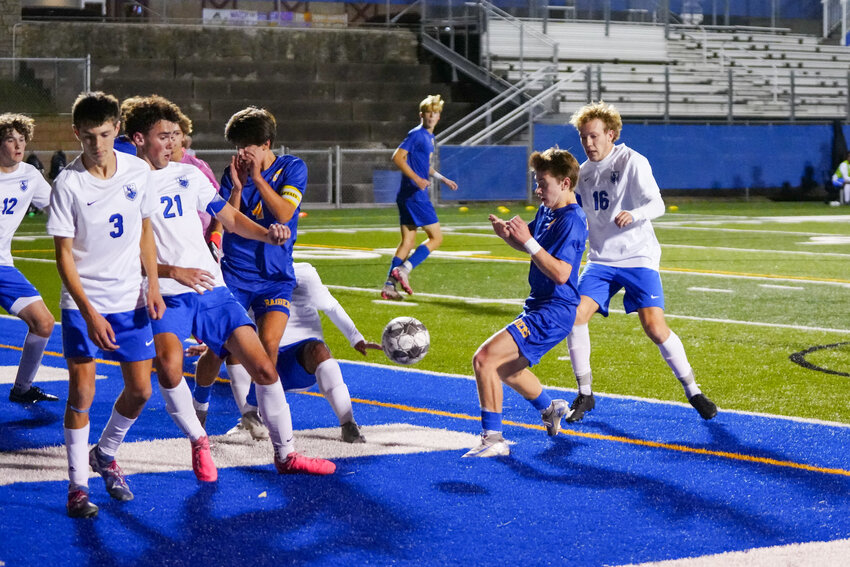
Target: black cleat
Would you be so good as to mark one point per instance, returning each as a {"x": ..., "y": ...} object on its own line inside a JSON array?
[
  {"x": 79, "y": 505},
  {"x": 579, "y": 406},
  {"x": 31, "y": 396},
  {"x": 704, "y": 406},
  {"x": 351, "y": 433}
]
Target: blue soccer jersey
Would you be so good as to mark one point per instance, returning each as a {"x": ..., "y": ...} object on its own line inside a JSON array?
[
  {"x": 252, "y": 261},
  {"x": 419, "y": 145},
  {"x": 562, "y": 233}
]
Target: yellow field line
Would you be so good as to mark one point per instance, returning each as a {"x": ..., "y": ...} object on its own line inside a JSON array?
[
  {"x": 615, "y": 438},
  {"x": 594, "y": 436}
]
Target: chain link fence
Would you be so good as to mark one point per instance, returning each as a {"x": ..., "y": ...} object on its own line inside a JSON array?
[{"x": 42, "y": 86}]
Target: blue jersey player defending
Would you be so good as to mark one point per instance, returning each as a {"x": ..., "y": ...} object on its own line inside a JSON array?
[
  {"x": 20, "y": 185},
  {"x": 555, "y": 240},
  {"x": 100, "y": 211},
  {"x": 620, "y": 197},
  {"x": 413, "y": 158}
]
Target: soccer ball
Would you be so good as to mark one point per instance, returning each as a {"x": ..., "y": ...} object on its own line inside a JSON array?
[{"x": 405, "y": 340}]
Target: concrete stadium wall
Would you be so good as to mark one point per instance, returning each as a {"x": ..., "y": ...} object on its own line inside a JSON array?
[
  {"x": 162, "y": 41},
  {"x": 717, "y": 156}
]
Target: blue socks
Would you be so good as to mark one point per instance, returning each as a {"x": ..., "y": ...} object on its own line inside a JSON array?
[
  {"x": 395, "y": 263},
  {"x": 418, "y": 255},
  {"x": 542, "y": 401},
  {"x": 491, "y": 421},
  {"x": 202, "y": 393}
]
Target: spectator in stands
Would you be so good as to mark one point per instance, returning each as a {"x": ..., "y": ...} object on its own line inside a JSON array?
[
  {"x": 58, "y": 161},
  {"x": 33, "y": 160},
  {"x": 841, "y": 180},
  {"x": 413, "y": 158},
  {"x": 620, "y": 197}
]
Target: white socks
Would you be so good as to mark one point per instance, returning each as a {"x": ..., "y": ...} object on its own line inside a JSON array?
[
  {"x": 114, "y": 432},
  {"x": 578, "y": 342},
  {"x": 240, "y": 383},
  {"x": 30, "y": 361},
  {"x": 276, "y": 416},
  {"x": 674, "y": 354},
  {"x": 77, "y": 448},
  {"x": 178, "y": 402},
  {"x": 329, "y": 378}
]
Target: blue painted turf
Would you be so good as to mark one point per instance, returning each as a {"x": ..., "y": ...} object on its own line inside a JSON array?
[{"x": 580, "y": 500}]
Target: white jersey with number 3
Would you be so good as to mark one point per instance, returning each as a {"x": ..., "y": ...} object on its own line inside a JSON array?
[
  {"x": 18, "y": 189},
  {"x": 104, "y": 217},
  {"x": 181, "y": 191},
  {"x": 308, "y": 298},
  {"x": 622, "y": 181}
]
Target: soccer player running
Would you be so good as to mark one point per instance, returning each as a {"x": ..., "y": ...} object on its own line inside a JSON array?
[
  {"x": 99, "y": 217},
  {"x": 413, "y": 158},
  {"x": 304, "y": 358},
  {"x": 20, "y": 185},
  {"x": 620, "y": 197},
  {"x": 555, "y": 240}
]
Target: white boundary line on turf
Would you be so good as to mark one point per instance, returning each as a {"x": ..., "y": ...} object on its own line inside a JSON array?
[
  {"x": 795, "y": 419},
  {"x": 619, "y": 311}
]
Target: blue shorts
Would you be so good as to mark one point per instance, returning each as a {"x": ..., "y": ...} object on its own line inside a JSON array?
[
  {"x": 16, "y": 292},
  {"x": 132, "y": 330},
  {"x": 536, "y": 331},
  {"x": 413, "y": 212},
  {"x": 292, "y": 374},
  {"x": 643, "y": 286},
  {"x": 212, "y": 317},
  {"x": 271, "y": 295}
]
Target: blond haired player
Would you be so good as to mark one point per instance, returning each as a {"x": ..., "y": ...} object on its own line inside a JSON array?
[
  {"x": 413, "y": 158},
  {"x": 620, "y": 198}
]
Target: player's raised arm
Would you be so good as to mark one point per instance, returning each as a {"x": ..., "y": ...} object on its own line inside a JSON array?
[{"x": 234, "y": 221}]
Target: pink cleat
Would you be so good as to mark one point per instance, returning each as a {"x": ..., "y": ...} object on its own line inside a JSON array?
[
  {"x": 298, "y": 464},
  {"x": 400, "y": 274},
  {"x": 202, "y": 462}
]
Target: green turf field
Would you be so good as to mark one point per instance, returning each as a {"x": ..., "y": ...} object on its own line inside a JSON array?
[{"x": 747, "y": 285}]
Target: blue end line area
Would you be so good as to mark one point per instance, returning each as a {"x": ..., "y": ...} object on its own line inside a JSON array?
[{"x": 589, "y": 498}]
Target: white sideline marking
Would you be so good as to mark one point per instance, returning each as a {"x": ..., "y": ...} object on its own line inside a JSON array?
[
  {"x": 795, "y": 419},
  {"x": 812, "y": 553},
  {"x": 45, "y": 374},
  {"x": 763, "y": 250},
  {"x": 710, "y": 289},
  {"x": 771, "y": 286},
  {"x": 515, "y": 301},
  {"x": 237, "y": 450},
  {"x": 395, "y": 302},
  {"x": 828, "y": 240}
]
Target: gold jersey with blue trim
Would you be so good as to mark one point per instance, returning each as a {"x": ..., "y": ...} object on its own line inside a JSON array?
[{"x": 253, "y": 261}]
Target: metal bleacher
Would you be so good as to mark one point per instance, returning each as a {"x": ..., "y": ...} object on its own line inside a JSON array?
[{"x": 695, "y": 72}]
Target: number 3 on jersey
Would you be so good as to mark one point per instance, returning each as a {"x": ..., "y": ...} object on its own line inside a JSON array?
[
  {"x": 118, "y": 222},
  {"x": 600, "y": 200}
]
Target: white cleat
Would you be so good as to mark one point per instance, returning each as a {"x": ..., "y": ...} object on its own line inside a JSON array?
[{"x": 492, "y": 445}]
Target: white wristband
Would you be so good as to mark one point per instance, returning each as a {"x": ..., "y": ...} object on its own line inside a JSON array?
[
  {"x": 439, "y": 176},
  {"x": 532, "y": 246}
]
